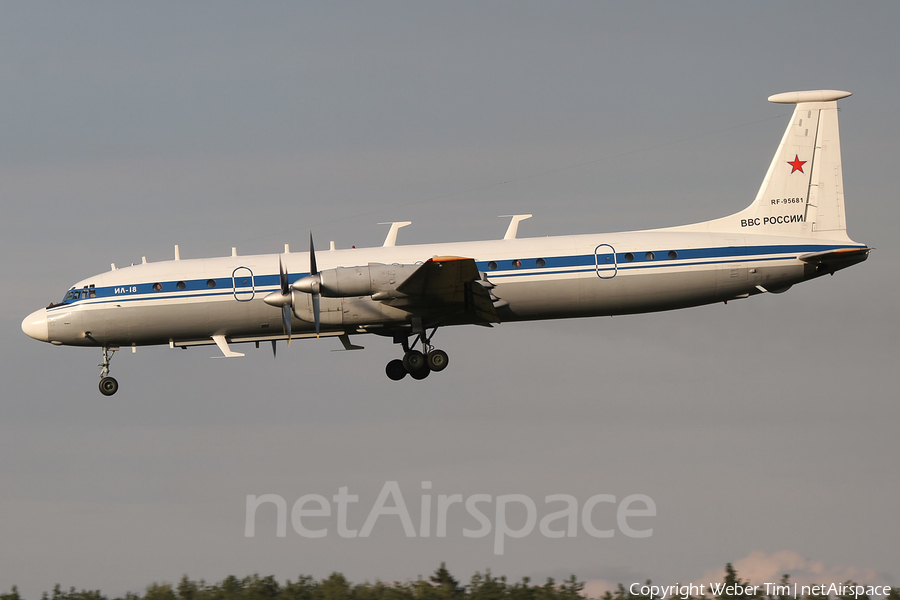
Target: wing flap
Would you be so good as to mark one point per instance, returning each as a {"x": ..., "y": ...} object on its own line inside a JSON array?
[
  {"x": 441, "y": 278},
  {"x": 450, "y": 283}
]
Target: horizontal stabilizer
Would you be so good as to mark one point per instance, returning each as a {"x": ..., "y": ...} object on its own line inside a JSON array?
[
  {"x": 835, "y": 260},
  {"x": 840, "y": 255}
]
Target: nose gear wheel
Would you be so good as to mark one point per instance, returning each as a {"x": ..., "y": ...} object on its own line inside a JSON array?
[{"x": 108, "y": 385}]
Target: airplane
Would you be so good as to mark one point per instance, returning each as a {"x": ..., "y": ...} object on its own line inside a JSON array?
[{"x": 794, "y": 230}]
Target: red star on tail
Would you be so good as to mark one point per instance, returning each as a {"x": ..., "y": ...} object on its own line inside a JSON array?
[{"x": 796, "y": 164}]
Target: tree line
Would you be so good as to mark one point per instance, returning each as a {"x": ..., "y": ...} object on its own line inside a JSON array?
[{"x": 439, "y": 586}]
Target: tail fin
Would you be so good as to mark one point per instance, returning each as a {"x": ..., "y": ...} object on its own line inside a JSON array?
[{"x": 803, "y": 192}]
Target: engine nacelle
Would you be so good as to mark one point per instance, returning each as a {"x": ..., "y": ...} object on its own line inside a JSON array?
[
  {"x": 346, "y": 311},
  {"x": 348, "y": 282}
]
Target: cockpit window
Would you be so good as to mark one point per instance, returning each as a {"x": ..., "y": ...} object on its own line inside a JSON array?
[{"x": 88, "y": 291}]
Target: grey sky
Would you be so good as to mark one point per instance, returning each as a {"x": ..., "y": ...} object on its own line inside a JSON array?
[{"x": 761, "y": 426}]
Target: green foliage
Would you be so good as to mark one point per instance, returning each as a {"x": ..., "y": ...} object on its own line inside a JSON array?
[
  {"x": 159, "y": 592},
  {"x": 335, "y": 587},
  {"x": 72, "y": 594},
  {"x": 12, "y": 595},
  {"x": 446, "y": 586},
  {"x": 733, "y": 582},
  {"x": 439, "y": 586}
]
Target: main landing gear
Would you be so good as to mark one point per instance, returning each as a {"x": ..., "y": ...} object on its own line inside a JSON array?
[
  {"x": 108, "y": 385},
  {"x": 417, "y": 365}
]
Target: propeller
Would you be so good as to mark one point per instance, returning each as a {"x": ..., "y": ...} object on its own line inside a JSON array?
[
  {"x": 311, "y": 283},
  {"x": 283, "y": 299},
  {"x": 286, "y": 307},
  {"x": 314, "y": 272}
]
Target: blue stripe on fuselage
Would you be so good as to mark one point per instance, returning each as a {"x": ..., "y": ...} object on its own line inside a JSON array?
[{"x": 553, "y": 265}]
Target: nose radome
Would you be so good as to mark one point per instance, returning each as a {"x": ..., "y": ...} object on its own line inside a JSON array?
[{"x": 35, "y": 326}]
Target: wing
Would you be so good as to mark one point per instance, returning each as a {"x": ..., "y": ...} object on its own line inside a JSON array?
[{"x": 449, "y": 285}]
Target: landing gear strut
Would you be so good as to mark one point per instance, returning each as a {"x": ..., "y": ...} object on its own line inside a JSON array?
[
  {"x": 108, "y": 385},
  {"x": 416, "y": 364}
]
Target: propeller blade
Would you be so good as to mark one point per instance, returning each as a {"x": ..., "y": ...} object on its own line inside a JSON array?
[
  {"x": 286, "y": 321},
  {"x": 284, "y": 299},
  {"x": 313, "y": 270},
  {"x": 283, "y": 276},
  {"x": 315, "y": 303},
  {"x": 312, "y": 256}
]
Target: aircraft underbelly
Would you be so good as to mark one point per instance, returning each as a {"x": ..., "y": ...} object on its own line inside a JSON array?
[
  {"x": 147, "y": 323},
  {"x": 595, "y": 296},
  {"x": 640, "y": 292}
]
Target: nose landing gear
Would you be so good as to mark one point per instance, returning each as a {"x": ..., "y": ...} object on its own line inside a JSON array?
[
  {"x": 417, "y": 365},
  {"x": 108, "y": 385}
]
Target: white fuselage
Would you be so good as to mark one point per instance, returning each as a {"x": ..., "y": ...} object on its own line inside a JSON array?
[{"x": 186, "y": 302}]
